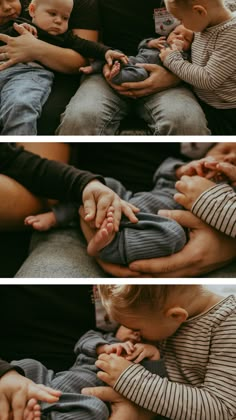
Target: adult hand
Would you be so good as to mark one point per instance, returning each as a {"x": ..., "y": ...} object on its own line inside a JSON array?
[
  {"x": 16, "y": 391},
  {"x": 120, "y": 271},
  {"x": 98, "y": 198},
  {"x": 121, "y": 408},
  {"x": 158, "y": 80},
  {"x": 206, "y": 250},
  {"x": 18, "y": 49}
]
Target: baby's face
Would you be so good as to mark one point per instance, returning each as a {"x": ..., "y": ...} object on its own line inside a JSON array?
[
  {"x": 52, "y": 15},
  {"x": 182, "y": 34},
  {"x": 9, "y": 9}
]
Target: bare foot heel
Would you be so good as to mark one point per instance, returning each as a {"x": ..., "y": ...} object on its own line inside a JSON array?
[{"x": 41, "y": 222}]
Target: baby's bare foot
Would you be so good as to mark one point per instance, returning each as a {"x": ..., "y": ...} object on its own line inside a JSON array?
[
  {"x": 103, "y": 236},
  {"x": 41, "y": 222},
  {"x": 86, "y": 69},
  {"x": 115, "y": 69},
  {"x": 190, "y": 188},
  {"x": 32, "y": 410}
]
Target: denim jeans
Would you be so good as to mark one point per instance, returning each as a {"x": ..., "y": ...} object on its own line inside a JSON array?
[
  {"x": 96, "y": 109},
  {"x": 24, "y": 89}
]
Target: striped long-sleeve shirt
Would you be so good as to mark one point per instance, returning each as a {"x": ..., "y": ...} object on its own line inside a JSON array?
[
  {"x": 217, "y": 207},
  {"x": 200, "y": 359},
  {"x": 213, "y": 69}
]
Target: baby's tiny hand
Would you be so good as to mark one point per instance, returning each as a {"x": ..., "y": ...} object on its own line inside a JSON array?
[
  {"x": 158, "y": 43},
  {"x": 30, "y": 29}
]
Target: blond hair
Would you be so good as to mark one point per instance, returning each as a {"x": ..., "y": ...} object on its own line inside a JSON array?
[{"x": 125, "y": 299}]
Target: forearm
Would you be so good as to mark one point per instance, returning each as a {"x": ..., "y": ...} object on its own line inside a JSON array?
[
  {"x": 217, "y": 207},
  {"x": 174, "y": 400},
  {"x": 58, "y": 59},
  {"x": 44, "y": 177}
]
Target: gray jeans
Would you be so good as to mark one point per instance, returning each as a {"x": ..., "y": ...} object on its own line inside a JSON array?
[
  {"x": 61, "y": 253},
  {"x": 96, "y": 109},
  {"x": 24, "y": 90}
]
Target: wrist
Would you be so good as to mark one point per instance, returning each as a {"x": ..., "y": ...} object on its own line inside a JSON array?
[{"x": 101, "y": 349}]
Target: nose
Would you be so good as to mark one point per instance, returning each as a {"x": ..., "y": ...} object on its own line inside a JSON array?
[{"x": 58, "y": 20}]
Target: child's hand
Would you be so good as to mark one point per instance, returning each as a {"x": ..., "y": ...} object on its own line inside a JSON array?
[
  {"x": 120, "y": 349},
  {"x": 30, "y": 29},
  {"x": 112, "y": 55},
  {"x": 157, "y": 43},
  {"x": 16, "y": 391},
  {"x": 165, "y": 52},
  {"x": 177, "y": 44},
  {"x": 144, "y": 351},
  {"x": 97, "y": 199},
  {"x": 205, "y": 167},
  {"x": 111, "y": 367},
  {"x": 226, "y": 171}
]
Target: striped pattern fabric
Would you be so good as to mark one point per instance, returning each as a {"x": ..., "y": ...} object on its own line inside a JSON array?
[
  {"x": 217, "y": 207},
  {"x": 213, "y": 68},
  {"x": 200, "y": 359}
]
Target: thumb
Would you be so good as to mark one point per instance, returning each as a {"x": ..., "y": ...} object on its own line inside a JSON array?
[
  {"x": 228, "y": 169},
  {"x": 104, "y": 393},
  {"x": 148, "y": 67},
  {"x": 89, "y": 208},
  {"x": 183, "y": 217},
  {"x": 20, "y": 29}
]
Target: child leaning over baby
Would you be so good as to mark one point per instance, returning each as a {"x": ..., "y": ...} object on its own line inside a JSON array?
[
  {"x": 196, "y": 334},
  {"x": 153, "y": 235}
]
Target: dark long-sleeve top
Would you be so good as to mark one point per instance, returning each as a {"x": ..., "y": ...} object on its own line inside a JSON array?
[
  {"x": 6, "y": 367},
  {"x": 43, "y": 177},
  {"x": 86, "y": 48}
]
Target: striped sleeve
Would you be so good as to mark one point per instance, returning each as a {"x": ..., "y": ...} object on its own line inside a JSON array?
[
  {"x": 215, "y": 71},
  {"x": 217, "y": 207},
  {"x": 215, "y": 399}
]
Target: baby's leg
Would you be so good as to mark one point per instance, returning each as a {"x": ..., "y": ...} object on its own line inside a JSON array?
[
  {"x": 190, "y": 188},
  {"x": 41, "y": 222},
  {"x": 32, "y": 410}
]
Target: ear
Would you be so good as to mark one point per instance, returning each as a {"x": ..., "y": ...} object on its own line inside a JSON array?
[
  {"x": 31, "y": 9},
  {"x": 178, "y": 314},
  {"x": 200, "y": 10}
]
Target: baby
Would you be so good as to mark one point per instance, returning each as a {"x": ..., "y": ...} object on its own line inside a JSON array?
[
  {"x": 22, "y": 101},
  {"x": 148, "y": 52}
]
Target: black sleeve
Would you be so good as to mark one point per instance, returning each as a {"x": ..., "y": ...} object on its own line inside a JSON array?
[
  {"x": 86, "y": 48},
  {"x": 43, "y": 177},
  {"x": 6, "y": 367}
]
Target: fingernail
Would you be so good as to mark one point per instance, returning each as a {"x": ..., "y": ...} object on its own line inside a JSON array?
[{"x": 163, "y": 212}]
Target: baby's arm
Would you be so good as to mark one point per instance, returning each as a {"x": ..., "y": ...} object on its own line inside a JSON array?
[{"x": 157, "y": 43}]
